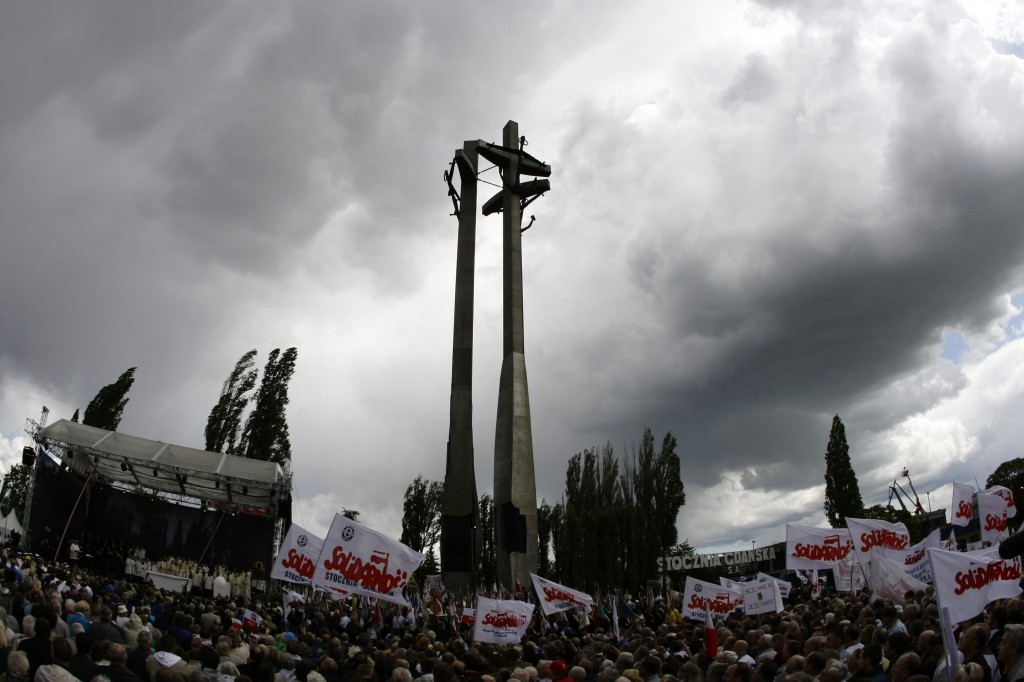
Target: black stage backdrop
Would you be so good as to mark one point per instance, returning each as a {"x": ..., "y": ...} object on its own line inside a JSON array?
[{"x": 109, "y": 516}]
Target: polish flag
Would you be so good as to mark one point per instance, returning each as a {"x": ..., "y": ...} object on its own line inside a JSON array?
[{"x": 710, "y": 635}]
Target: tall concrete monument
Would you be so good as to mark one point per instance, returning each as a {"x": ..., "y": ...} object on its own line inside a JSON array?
[
  {"x": 515, "y": 487},
  {"x": 459, "y": 536}
]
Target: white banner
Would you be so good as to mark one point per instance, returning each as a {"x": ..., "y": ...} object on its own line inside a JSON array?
[
  {"x": 784, "y": 585},
  {"x": 846, "y": 571},
  {"x": 700, "y": 596},
  {"x": 811, "y": 547},
  {"x": 992, "y": 516},
  {"x": 733, "y": 585},
  {"x": 358, "y": 559},
  {"x": 963, "y": 504},
  {"x": 914, "y": 560},
  {"x": 297, "y": 557},
  {"x": 966, "y": 582},
  {"x": 890, "y": 581},
  {"x": 1007, "y": 495},
  {"x": 555, "y": 598},
  {"x": 171, "y": 583},
  {"x": 762, "y": 596},
  {"x": 501, "y": 621},
  {"x": 869, "y": 533},
  {"x": 287, "y": 596}
]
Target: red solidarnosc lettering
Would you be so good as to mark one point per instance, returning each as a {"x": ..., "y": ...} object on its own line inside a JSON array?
[
  {"x": 830, "y": 550},
  {"x": 302, "y": 564},
  {"x": 721, "y": 604},
  {"x": 993, "y": 522},
  {"x": 978, "y": 578},
  {"x": 555, "y": 594},
  {"x": 372, "y": 575},
  {"x": 1007, "y": 497},
  {"x": 914, "y": 558},
  {"x": 883, "y": 538},
  {"x": 963, "y": 510},
  {"x": 503, "y": 619}
]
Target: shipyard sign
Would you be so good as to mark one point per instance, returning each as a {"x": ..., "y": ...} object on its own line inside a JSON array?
[{"x": 747, "y": 556}]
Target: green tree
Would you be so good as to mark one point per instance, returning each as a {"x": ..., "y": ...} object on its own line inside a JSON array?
[
  {"x": 104, "y": 410},
  {"x": 225, "y": 420},
  {"x": 421, "y": 514},
  {"x": 1010, "y": 474},
  {"x": 265, "y": 435},
  {"x": 842, "y": 492},
  {"x": 669, "y": 496},
  {"x": 488, "y": 567},
  {"x": 544, "y": 564},
  {"x": 350, "y": 514},
  {"x": 15, "y": 490}
]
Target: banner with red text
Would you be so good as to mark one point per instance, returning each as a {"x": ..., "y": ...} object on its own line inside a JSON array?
[
  {"x": 870, "y": 533},
  {"x": 555, "y": 598},
  {"x": 914, "y": 560},
  {"x": 963, "y": 504},
  {"x": 993, "y": 512},
  {"x": 501, "y": 621},
  {"x": 359, "y": 560},
  {"x": 848, "y": 575},
  {"x": 295, "y": 561},
  {"x": 1007, "y": 495},
  {"x": 966, "y": 582},
  {"x": 700, "y": 596},
  {"x": 810, "y": 547},
  {"x": 890, "y": 581}
]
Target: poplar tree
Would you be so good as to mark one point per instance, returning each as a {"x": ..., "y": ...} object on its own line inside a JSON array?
[
  {"x": 104, "y": 410},
  {"x": 225, "y": 420},
  {"x": 421, "y": 514},
  {"x": 842, "y": 493},
  {"x": 265, "y": 435}
]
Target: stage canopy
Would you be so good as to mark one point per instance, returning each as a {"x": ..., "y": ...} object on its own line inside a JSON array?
[{"x": 219, "y": 479}]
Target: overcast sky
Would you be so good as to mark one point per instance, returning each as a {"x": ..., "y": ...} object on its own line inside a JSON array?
[{"x": 762, "y": 214}]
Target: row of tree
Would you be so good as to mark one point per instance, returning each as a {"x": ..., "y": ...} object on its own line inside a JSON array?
[
  {"x": 613, "y": 522},
  {"x": 842, "y": 491},
  {"x": 263, "y": 436}
]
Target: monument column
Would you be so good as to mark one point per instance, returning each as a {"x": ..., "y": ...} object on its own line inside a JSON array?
[
  {"x": 459, "y": 541},
  {"x": 515, "y": 489}
]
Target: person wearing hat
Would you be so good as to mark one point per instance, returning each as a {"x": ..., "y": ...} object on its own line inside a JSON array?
[{"x": 122, "y": 616}]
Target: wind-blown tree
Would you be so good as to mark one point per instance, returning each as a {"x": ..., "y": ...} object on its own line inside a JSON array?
[
  {"x": 225, "y": 420},
  {"x": 421, "y": 514},
  {"x": 74, "y": 417},
  {"x": 104, "y": 410},
  {"x": 265, "y": 435},
  {"x": 1010, "y": 474},
  {"x": 15, "y": 490},
  {"x": 488, "y": 567},
  {"x": 842, "y": 492}
]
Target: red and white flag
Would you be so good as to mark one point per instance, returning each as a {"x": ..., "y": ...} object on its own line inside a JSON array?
[
  {"x": 869, "y": 533},
  {"x": 501, "y": 621},
  {"x": 359, "y": 560},
  {"x": 251, "y": 620},
  {"x": 993, "y": 512},
  {"x": 966, "y": 582},
  {"x": 700, "y": 596},
  {"x": 963, "y": 504},
  {"x": 555, "y": 598},
  {"x": 297, "y": 557},
  {"x": 811, "y": 547},
  {"x": 710, "y": 635}
]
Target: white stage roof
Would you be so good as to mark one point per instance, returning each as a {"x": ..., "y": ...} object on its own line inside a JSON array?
[{"x": 175, "y": 469}]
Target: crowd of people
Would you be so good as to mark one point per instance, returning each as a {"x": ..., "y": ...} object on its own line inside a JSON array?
[{"x": 64, "y": 623}]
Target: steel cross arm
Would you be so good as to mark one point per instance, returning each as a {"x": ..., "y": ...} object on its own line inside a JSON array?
[
  {"x": 504, "y": 156},
  {"x": 527, "y": 191}
]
